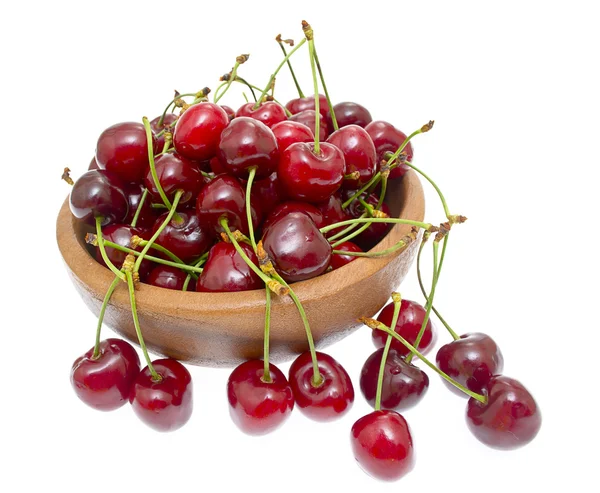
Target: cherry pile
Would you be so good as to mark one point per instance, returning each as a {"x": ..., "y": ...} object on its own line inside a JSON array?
[{"x": 179, "y": 203}]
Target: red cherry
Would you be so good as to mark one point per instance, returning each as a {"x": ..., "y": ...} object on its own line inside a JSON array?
[
  {"x": 359, "y": 154},
  {"x": 288, "y": 207},
  {"x": 404, "y": 385},
  {"x": 268, "y": 113},
  {"x": 309, "y": 177},
  {"x": 382, "y": 445},
  {"x": 296, "y": 247},
  {"x": 168, "y": 121},
  {"x": 123, "y": 150},
  {"x": 226, "y": 271},
  {"x": 266, "y": 193},
  {"x": 348, "y": 113},
  {"x": 333, "y": 212},
  {"x": 471, "y": 360},
  {"x": 147, "y": 215},
  {"x": 408, "y": 326},
  {"x": 297, "y": 105},
  {"x": 307, "y": 118},
  {"x": 247, "y": 143},
  {"x": 339, "y": 260},
  {"x": 104, "y": 382},
  {"x": 198, "y": 131},
  {"x": 165, "y": 405},
  {"x": 255, "y": 406},
  {"x": 121, "y": 235},
  {"x": 388, "y": 138},
  {"x": 332, "y": 398},
  {"x": 175, "y": 173},
  {"x": 184, "y": 236},
  {"x": 289, "y": 132},
  {"x": 216, "y": 167},
  {"x": 511, "y": 418},
  {"x": 229, "y": 111},
  {"x": 165, "y": 276},
  {"x": 93, "y": 164}
]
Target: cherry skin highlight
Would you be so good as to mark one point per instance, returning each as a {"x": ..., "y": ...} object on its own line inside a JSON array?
[
  {"x": 165, "y": 276},
  {"x": 269, "y": 113},
  {"x": 226, "y": 271},
  {"x": 339, "y": 260},
  {"x": 289, "y": 132},
  {"x": 104, "y": 383},
  {"x": 255, "y": 406},
  {"x": 174, "y": 173},
  {"x": 333, "y": 212},
  {"x": 348, "y": 113},
  {"x": 388, "y": 138},
  {"x": 287, "y": 207},
  {"x": 198, "y": 130},
  {"x": 359, "y": 154}
]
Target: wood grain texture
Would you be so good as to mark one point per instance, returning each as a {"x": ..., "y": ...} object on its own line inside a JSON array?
[{"x": 223, "y": 329}]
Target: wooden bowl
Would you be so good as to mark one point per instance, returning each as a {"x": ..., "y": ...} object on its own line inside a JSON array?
[{"x": 224, "y": 329}]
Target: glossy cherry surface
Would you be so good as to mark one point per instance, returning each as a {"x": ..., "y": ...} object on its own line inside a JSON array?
[
  {"x": 287, "y": 207},
  {"x": 471, "y": 360},
  {"x": 165, "y": 276},
  {"x": 309, "y": 177},
  {"x": 184, "y": 235},
  {"x": 266, "y": 193},
  {"x": 123, "y": 150},
  {"x": 93, "y": 164},
  {"x": 255, "y": 406},
  {"x": 167, "y": 125},
  {"x": 98, "y": 193},
  {"x": 382, "y": 445},
  {"x": 339, "y": 260},
  {"x": 403, "y": 386},
  {"x": 121, "y": 235},
  {"x": 333, "y": 212},
  {"x": 248, "y": 143},
  {"x": 198, "y": 130},
  {"x": 174, "y": 173},
  {"x": 307, "y": 118},
  {"x": 289, "y": 132},
  {"x": 332, "y": 398},
  {"x": 296, "y": 247},
  {"x": 359, "y": 154},
  {"x": 165, "y": 405},
  {"x": 298, "y": 105},
  {"x": 216, "y": 167},
  {"x": 268, "y": 113},
  {"x": 147, "y": 215},
  {"x": 348, "y": 113},
  {"x": 104, "y": 382},
  {"x": 511, "y": 417},
  {"x": 388, "y": 138},
  {"x": 408, "y": 326},
  {"x": 226, "y": 271},
  {"x": 229, "y": 111}
]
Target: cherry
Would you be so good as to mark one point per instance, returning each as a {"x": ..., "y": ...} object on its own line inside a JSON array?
[
  {"x": 198, "y": 130},
  {"x": 339, "y": 260},
  {"x": 247, "y": 143},
  {"x": 288, "y": 207},
  {"x": 216, "y": 167},
  {"x": 147, "y": 215},
  {"x": 268, "y": 113},
  {"x": 308, "y": 176},
  {"x": 359, "y": 154},
  {"x": 408, "y": 326},
  {"x": 290, "y": 132},
  {"x": 98, "y": 193},
  {"x": 226, "y": 271},
  {"x": 121, "y": 235},
  {"x": 348, "y": 113},
  {"x": 164, "y": 405},
  {"x": 93, "y": 164},
  {"x": 184, "y": 236},
  {"x": 296, "y": 247},
  {"x": 332, "y": 398},
  {"x": 307, "y": 118},
  {"x": 258, "y": 407},
  {"x": 175, "y": 172},
  {"x": 224, "y": 197},
  {"x": 267, "y": 193},
  {"x": 229, "y": 111},
  {"x": 104, "y": 382},
  {"x": 167, "y": 125},
  {"x": 382, "y": 445},
  {"x": 123, "y": 150},
  {"x": 333, "y": 212},
  {"x": 511, "y": 418},
  {"x": 471, "y": 360},
  {"x": 388, "y": 138},
  {"x": 298, "y": 105},
  {"x": 403, "y": 386},
  {"x": 165, "y": 276}
]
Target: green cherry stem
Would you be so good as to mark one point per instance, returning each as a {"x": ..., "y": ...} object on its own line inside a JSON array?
[
  {"x": 311, "y": 54},
  {"x": 159, "y": 187},
  {"x": 139, "y": 208},
  {"x": 329, "y": 104},
  {"x": 267, "y": 372},
  {"x": 251, "y": 175},
  {"x": 397, "y": 246},
  {"x": 437, "y": 189},
  {"x": 238, "y": 61},
  {"x": 397, "y": 301},
  {"x": 162, "y": 117},
  {"x": 352, "y": 235},
  {"x": 107, "y": 261},
  {"x": 289, "y": 64},
  {"x": 390, "y": 220},
  {"x": 198, "y": 264},
  {"x": 109, "y": 293},
  {"x": 219, "y": 87},
  {"x": 347, "y": 229}
]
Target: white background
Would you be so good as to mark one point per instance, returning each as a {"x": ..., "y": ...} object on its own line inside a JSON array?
[{"x": 513, "y": 89}]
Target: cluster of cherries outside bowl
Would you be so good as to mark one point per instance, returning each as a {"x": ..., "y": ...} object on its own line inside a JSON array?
[{"x": 178, "y": 202}]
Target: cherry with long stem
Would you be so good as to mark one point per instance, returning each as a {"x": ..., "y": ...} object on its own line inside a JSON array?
[
  {"x": 289, "y": 64},
  {"x": 171, "y": 103},
  {"x": 251, "y": 175},
  {"x": 107, "y": 297},
  {"x": 308, "y": 32},
  {"x": 107, "y": 261},
  {"x": 139, "y": 208},
  {"x": 397, "y": 302},
  {"x": 347, "y": 229},
  {"x": 397, "y": 246},
  {"x": 238, "y": 61},
  {"x": 198, "y": 265},
  {"x": 159, "y": 187},
  {"x": 391, "y": 220}
]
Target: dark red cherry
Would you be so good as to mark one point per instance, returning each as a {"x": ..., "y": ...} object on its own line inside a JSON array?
[
  {"x": 471, "y": 360},
  {"x": 255, "y": 406},
  {"x": 374, "y": 233},
  {"x": 359, "y": 154},
  {"x": 511, "y": 418},
  {"x": 225, "y": 271},
  {"x": 93, "y": 164},
  {"x": 248, "y": 143},
  {"x": 184, "y": 235},
  {"x": 266, "y": 193},
  {"x": 216, "y": 166},
  {"x": 167, "y": 125},
  {"x": 298, "y": 105},
  {"x": 165, "y": 276},
  {"x": 348, "y": 113},
  {"x": 268, "y": 113},
  {"x": 339, "y": 260},
  {"x": 224, "y": 197},
  {"x": 148, "y": 214},
  {"x": 388, "y": 138},
  {"x": 296, "y": 247},
  {"x": 121, "y": 235},
  {"x": 288, "y": 207},
  {"x": 408, "y": 326},
  {"x": 289, "y": 132},
  {"x": 307, "y": 118},
  {"x": 198, "y": 130},
  {"x": 332, "y": 398},
  {"x": 404, "y": 385},
  {"x": 104, "y": 382},
  {"x": 123, "y": 150},
  {"x": 333, "y": 212},
  {"x": 382, "y": 445},
  {"x": 165, "y": 405},
  {"x": 309, "y": 177},
  {"x": 98, "y": 193},
  {"x": 175, "y": 173},
  {"x": 229, "y": 111}
]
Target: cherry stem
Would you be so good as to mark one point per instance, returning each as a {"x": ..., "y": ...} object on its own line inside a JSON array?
[
  {"x": 199, "y": 263},
  {"x": 329, "y": 104},
  {"x": 159, "y": 187},
  {"x": 375, "y": 324},
  {"x": 229, "y": 81},
  {"x": 362, "y": 190},
  {"x": 437, "y": 189},
  {"x": 139, "y": 208},
  {"x": 289, "y": 64},
  {"x": 384, "y": 181},
  {"x": 162, "y": 249},
  {"x": 109, "y": 293},
  {"x": 390, "y": 220},
  {"x": 287, "y": 57},
  {"x": 224, "y": 83},
  {"x": 397, "y": 246},
  {"x": 155, "y": 376},
  {"x": 251, "y": 175},
  {"x": 311, "y": 53},
  {"x": 353, "y": 234},
  {"x": 267, "y": 372},
  {"x": 397, "y": 301},
  {"x": 107, "y": 261},
  {"x": 162, "y": 117}
]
